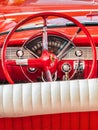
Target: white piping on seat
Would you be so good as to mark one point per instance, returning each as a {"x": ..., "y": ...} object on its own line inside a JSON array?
[{"x": 27, "y": 99}]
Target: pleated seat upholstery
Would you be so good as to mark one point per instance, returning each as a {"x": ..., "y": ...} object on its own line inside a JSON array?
[{"x": 29, "y": 99}]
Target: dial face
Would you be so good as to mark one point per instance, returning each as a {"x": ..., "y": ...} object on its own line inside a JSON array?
[
  {"x": 78, "y": 53},
  {"x": 19, "y": 53},
  {"x": 55, "y": 45}
]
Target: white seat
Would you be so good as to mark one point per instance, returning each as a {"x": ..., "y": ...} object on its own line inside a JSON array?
[{"x": 27, "y": 99}]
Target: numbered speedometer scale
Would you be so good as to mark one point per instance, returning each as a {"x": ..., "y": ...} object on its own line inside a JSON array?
[{"x": 55, "y": 44}]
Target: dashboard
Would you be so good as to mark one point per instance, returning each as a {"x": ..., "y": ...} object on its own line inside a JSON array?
[{"x": 72, "y": 66}]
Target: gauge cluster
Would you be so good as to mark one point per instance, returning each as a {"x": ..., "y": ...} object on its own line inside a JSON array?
[{"x": 55, "y": 45}]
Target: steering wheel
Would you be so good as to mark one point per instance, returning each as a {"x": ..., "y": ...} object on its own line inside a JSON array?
[{"x": 48, "y": 62}]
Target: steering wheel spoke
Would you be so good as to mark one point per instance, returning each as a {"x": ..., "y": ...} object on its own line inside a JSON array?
[
  {"x": 25, "y": 62},
  {"x": 45, "y": 37},
  {"x": 36, "y": 56},
  {"x": 67, "y": 48},
  {"x": 48, "y": 74},
  {"x": 17, "y": 62}
]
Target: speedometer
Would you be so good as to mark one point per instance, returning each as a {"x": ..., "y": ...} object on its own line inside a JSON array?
[{"x": 55, "y": 44}]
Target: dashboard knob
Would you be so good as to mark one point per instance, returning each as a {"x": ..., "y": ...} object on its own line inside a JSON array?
[
  {"x": 78, "y": 53},
  {"x": 66, "y": 67},
  {"x": 19, "y": 53}
]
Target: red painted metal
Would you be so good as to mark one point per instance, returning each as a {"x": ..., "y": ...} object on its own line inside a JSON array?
[{"x": 68, "y": 121}]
